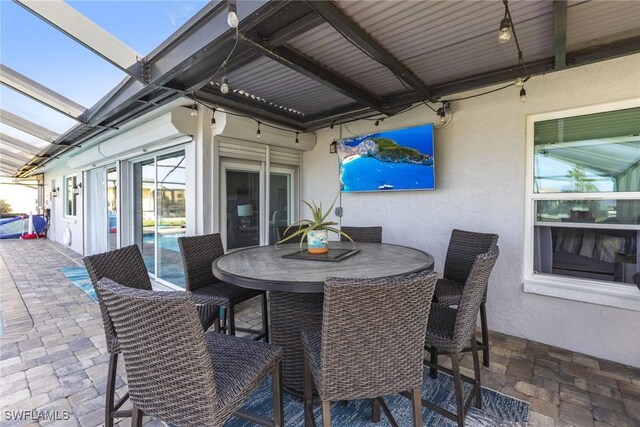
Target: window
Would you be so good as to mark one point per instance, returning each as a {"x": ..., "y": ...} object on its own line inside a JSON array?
[
  {"x": 71, "y": 191},
  {"x": 584, "y": 197}
]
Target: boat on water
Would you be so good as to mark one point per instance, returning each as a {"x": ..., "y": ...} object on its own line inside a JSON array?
[{"x": 385, "y": 187}]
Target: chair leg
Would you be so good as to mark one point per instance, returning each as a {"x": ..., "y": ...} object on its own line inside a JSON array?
[
  {"x": 326, "y": 413},
  {"x": 111, "y": 382},
  {"x": 276, "y": 381},
  {"x": 232, "y": 320},
  {"x": 265, "y": 317},
  {"x": 309, "y": 420},
  {"x": 216, "y": 323},
  {"x": 136, "y": 418},
  {"x": 375, "y": 410},
  {"x": 433, "y": 369},
  {"x": 476, "y": 371},
  {"x": 457, "y": 386},
  {"x": 485, "y": 334},
  {"x": 416, "y": 402}
]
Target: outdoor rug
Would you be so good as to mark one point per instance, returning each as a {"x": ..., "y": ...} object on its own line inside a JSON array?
[
  {"x": 497, "y": 408},
  {"x": 80, "y": 278}
]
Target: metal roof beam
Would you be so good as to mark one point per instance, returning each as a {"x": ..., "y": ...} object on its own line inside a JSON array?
[
  {"x": 560, "y": 33},
  {"x": 19, "y": 157},
  {"x": 317, "y": 72},
  {"x": 27, "y": 126},
  {"x": 40, "y": 93},
  {"x": 86, "y": 32},
  {"x": 204, "y": 38},
  {"x": 11, "y": 162},
  {"x": 8, "y": 171},
  {"x": 349, "y": 29},
  {"x": 12, "y": 142}
]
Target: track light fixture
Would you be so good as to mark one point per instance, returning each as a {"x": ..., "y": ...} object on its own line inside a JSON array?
[
  {"x": 505, "y": 25},
  {"x": 232, "y": 16},
  {"x": 224, "y": 86},
  {"x": 258, "y": 131}
]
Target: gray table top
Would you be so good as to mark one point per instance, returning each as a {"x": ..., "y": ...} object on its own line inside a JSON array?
[{"x": 264, "y": 268}]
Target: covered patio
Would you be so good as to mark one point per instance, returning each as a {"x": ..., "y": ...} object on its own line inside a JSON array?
[{"x": 514, "y": 124}]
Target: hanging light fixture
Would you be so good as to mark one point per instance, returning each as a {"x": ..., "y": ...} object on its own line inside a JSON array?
[
  {"x": 297, "y": 140},
  {"x": 505, "y": 25},
  {"x": 333, "y": 147},
  {"x": 523, "y": 95},
  {"x": 258, "y": 131},
  {"x": 213, "y": 119},
  {"x": 194, "y": 110},
  {"x": 442, "y": 114},
  {"x": 232, "y": 16},
  {"x": 519, "y": 82},
  {"x": 224, "y": 86}
]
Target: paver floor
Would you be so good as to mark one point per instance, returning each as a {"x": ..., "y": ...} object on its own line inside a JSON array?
[{"x": 53, "y": 357}]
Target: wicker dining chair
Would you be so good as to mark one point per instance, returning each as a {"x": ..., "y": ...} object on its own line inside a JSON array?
[
  {"x": 198, "y": 254},
  {"x": 362, "y": 234},
  {"x": 178, "y": 373},
  {"x": 463, "y": 248},
  {"x": 125, "y": 266},
  {"x": 450, "y": 330},
  {"x": 360, "y": 353}
]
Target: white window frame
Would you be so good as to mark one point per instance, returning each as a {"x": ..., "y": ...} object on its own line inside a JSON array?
[
  {"x": 66, "y": 195},
  {"x": 585, "y": 290}
]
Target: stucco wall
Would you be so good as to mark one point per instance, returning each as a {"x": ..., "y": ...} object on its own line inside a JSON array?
[
  {"x": 58, "y": 220},
  {"x": 480, "y": 179}
]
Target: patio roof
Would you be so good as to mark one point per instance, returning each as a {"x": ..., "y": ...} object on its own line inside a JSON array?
[{"x": 307, "y": 65}]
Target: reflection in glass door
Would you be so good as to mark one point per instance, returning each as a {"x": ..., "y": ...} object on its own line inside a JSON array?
[
  {"x": 159, "y": 203},
  {"x": 280, "y": 203},
  {"x": 112, "y": 208},
  {"x": 243, "y": 208}
]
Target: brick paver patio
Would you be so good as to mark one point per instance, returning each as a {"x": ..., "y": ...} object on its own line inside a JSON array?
[{"x": 53, "y": 356}]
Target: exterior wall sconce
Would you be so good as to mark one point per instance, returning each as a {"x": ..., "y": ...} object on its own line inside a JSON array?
[
  {"x": 55, "y": 192},
  {"x": 333, "y": 147},
  {"x": 77, "y": 188}
]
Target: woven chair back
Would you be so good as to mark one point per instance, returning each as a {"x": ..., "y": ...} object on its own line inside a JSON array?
[
  {"x": 125, "y": 266},
  {"x": 373, "y": 335},
  {"x": 463, "y": 249},
  {"x": 169, "y": 366},
  {"x": 198, "y": 254},
  {"x": 474, "y": 290},
  {"x": 362, "y": 234}
]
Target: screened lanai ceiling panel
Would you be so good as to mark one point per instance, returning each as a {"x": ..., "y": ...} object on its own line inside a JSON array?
[
  {"x": 280, "y": 85},
  {"x": 435, "y": 39},
  {"x": 327, "y": 46},
  {"x": 598, "y": 22}
]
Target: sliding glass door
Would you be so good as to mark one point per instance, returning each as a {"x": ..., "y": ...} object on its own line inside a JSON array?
[
  {"x": 101, "y": 210},
  {"x": 160, "y": 217},
  {"x": 112, "y": 208}
]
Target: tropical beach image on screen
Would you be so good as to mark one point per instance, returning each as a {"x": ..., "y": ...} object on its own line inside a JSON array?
[{"x": 388, "y": 161}]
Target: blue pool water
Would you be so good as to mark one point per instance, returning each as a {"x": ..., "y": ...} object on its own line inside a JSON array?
[
  {"x": 165, "y": 241},
  {"x": 368, "y": 174}
]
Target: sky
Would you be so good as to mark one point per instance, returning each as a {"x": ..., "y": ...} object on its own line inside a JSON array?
[{"x": 35, "y": 49}]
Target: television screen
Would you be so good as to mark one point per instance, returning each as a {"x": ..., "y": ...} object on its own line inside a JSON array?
[{"x": 393, "y": 160}]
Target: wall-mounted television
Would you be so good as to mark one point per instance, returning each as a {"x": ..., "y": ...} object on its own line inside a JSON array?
[{"x": 395, "y": 160}]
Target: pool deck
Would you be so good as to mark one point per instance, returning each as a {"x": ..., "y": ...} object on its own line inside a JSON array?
[{"x": 53, "y": 355}]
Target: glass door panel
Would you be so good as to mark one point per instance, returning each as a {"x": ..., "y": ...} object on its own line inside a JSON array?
[
  {"x": 145, "y": 209},
  {"x": 243, "y": 208},
  {"x": 171, "y": 214},
  {"x": 280, "y": 203},
  {"x": 112, "y": 208}
]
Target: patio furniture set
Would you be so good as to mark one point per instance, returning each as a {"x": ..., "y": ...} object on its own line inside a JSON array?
[{"x": 354, "y": 329}]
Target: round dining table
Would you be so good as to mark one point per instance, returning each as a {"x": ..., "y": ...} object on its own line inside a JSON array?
[{"x": 295, "y": 286}]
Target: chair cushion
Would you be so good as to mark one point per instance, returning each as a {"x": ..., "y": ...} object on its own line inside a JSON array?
[
  {"x": 312, "y": 343},
  {"x": 448, "y": 292},
  {"x": 222, "y": 293},
  {"x": 440, "y": 328},
  {"x": 239, "y": 365}
]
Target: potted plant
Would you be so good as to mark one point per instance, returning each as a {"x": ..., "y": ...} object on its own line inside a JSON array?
[{"x": 315, "y": 230}]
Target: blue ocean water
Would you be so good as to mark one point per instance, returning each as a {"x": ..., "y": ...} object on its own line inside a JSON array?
[
  {"x": 418, "y": 137},
  {"x": 368, "y": 174}
]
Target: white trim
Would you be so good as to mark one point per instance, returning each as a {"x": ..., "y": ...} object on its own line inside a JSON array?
[
  {"x": 590, "y": 291},
  {"x": 596, "y": 225},
  {"x": 65, "y": 198}
]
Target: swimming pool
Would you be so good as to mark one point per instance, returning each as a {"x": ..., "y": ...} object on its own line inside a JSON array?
[{"x": 165, "y": 241}]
